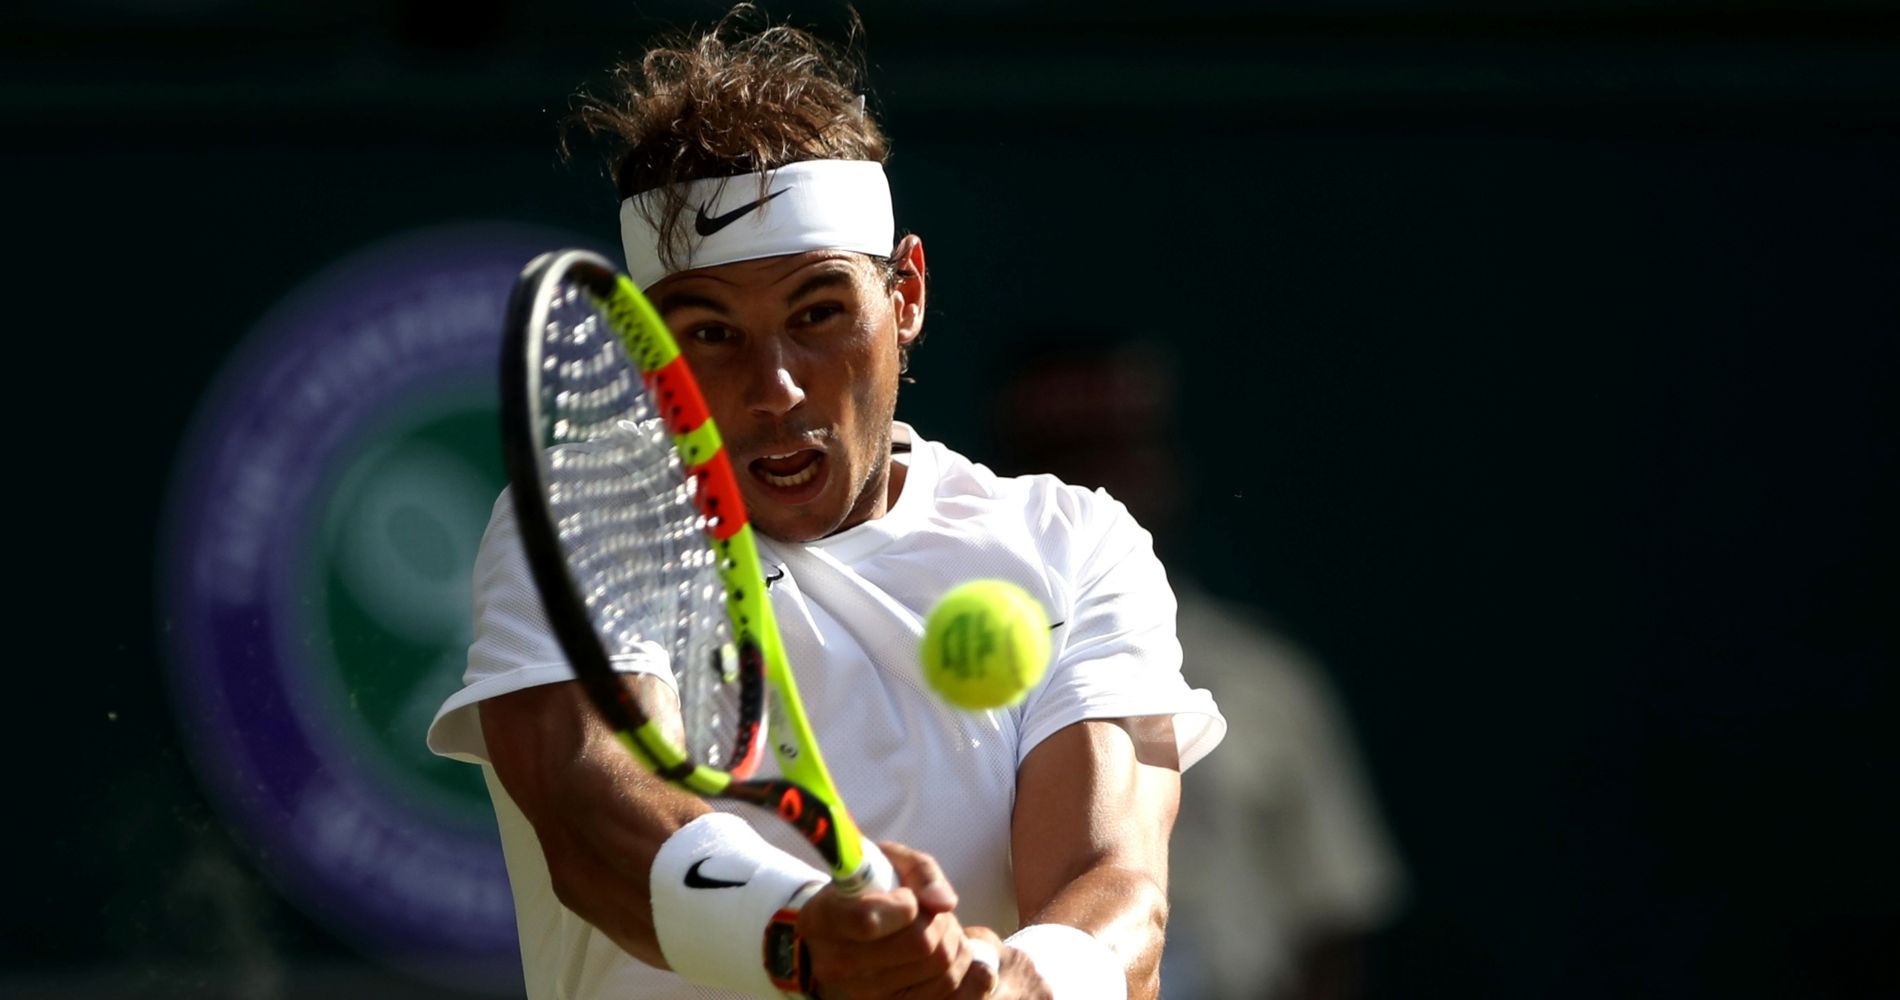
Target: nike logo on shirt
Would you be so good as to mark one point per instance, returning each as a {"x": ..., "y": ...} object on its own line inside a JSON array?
[{"x": 706, "y": 225}]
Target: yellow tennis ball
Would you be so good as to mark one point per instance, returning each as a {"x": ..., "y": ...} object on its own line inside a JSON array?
[{"x": 986, "y": 643}]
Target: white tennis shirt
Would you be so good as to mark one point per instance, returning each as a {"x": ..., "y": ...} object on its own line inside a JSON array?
[{"x": 850, "y": 609}]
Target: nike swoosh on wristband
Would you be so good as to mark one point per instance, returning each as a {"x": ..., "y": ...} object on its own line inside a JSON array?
[
  {"x": 706, "y": 225},
  {"x": 694, "y": 880}
]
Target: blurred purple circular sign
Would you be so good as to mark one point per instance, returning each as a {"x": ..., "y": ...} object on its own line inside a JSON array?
[{"x": 324, "y": 518}]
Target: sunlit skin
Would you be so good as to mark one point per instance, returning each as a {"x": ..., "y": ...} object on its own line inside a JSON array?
[{"x": 798, "y": 357}]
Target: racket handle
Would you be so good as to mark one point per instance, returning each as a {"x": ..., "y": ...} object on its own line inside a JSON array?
[{"x": 874, "y": 873}]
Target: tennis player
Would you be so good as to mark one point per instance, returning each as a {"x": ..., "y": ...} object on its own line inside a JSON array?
[{"x": 1031, "y": 843}]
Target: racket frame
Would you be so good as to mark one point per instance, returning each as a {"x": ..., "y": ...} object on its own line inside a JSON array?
[{"x": 805, "y": 795}]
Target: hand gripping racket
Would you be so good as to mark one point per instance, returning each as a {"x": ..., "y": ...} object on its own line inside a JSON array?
[{"x": 638, "y": 542}]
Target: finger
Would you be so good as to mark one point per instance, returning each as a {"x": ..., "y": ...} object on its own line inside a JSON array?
[
  {"x": 986, "y": 948},
  {"x": 978, "y": 983},
  {"x": 921, "y": 873},
  {"x": 830, "y": 915},
  {"x": 979, "y": 977},
  {"x": 929, "y": 961},
  {"x": 879, "y": 917}
]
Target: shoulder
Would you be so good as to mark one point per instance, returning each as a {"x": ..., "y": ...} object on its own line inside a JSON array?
[
  {"x": 1051, "y": 509},
  {"x": 1080, "y": 546}
]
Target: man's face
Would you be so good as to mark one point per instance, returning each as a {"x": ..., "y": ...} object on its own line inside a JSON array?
[{"x": 798, "y": 359}]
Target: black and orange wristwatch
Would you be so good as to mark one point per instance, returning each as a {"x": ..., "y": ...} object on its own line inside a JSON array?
[{"x": 787, "y": 960}]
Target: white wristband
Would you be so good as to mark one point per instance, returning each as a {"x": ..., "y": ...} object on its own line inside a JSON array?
[
  {"x": 715, "y": 884},
  {"x": 1073, "y": 964}
]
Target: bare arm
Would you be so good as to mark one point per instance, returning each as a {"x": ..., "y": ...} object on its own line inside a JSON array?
[
  {"x": 1095, "y": 804},
  {"x": 600, "y": 816}
]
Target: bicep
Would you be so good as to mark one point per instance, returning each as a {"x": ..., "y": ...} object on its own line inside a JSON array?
[
  {"x": 536, "y": 735},
  {"x": 599, "y": 815},
  {"x": 1096, "y": 795},
  {"x": 554, "y": 754}
]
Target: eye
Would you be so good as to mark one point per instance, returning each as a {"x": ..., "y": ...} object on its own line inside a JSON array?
[
  {"x": 818, "y": 314},
  {"x": 711, "y": 333}
]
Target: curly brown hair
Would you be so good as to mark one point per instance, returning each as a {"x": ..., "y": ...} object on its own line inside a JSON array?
[{"x": 744, "y": 97}]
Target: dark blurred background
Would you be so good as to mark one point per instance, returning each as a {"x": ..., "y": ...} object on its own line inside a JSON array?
[{"x": 1537, "y": 368}]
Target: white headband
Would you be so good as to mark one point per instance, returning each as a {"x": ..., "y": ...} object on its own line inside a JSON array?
[{"x": 811, "y": 205}]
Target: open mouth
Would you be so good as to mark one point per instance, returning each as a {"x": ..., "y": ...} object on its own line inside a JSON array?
[{"x": 792, "y": 475}]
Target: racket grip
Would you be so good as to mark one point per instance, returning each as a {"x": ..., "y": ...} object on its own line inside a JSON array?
[{"x": 874, "y": 873}]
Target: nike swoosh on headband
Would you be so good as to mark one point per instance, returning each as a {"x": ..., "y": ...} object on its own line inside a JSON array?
[{"x": 706, "y": 225}]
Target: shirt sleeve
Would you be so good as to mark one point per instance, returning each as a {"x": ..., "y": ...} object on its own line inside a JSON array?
[
  {"x": 514, "y": 648},
  {"x": 1116, "y": 654}
]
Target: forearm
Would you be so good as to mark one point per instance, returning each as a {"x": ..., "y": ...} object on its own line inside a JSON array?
[
  {"x": 1126, "y": 909},
  {"x": 600, "y": 816},
  {"x": 603, "y": 819},
  {"x": 1096, "y": 803}
]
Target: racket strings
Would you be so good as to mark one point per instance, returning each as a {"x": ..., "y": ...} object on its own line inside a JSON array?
[{"x": 624, "y": 512}]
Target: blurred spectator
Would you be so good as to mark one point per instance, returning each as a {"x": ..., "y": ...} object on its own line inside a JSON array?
[{"x": 1281, "y": 865}]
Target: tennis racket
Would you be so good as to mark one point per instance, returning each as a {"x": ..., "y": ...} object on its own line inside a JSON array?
[{"x": 638, "y": 542}]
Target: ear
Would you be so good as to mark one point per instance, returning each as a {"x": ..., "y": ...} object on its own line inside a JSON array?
[{"x": 907, "y": 295}]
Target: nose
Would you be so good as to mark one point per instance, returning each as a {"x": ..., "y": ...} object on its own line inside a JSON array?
[{"x": 775, "y": 389}]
